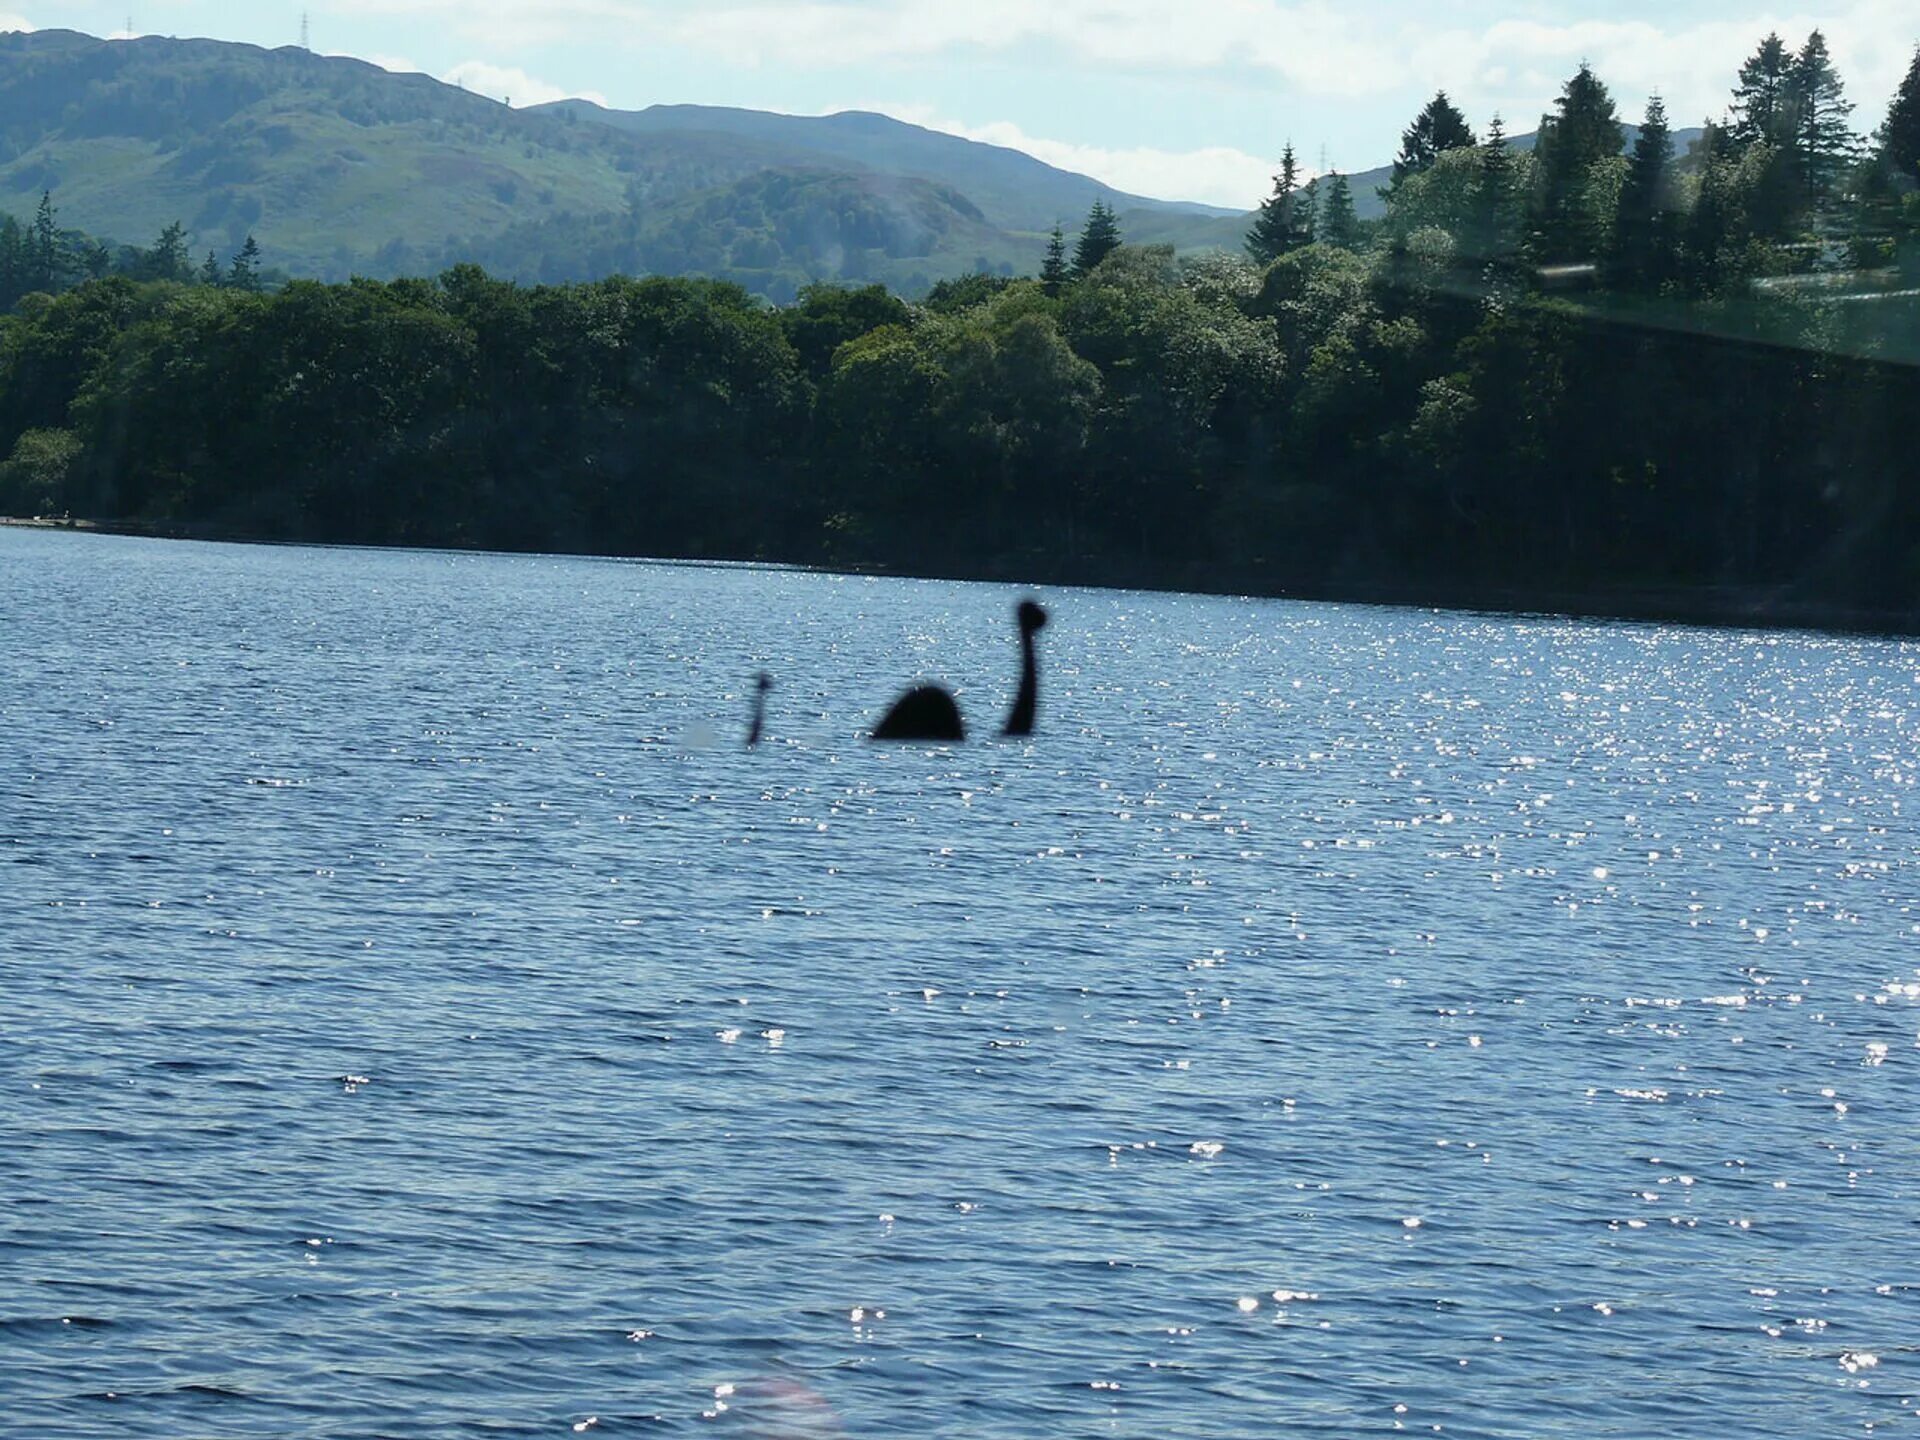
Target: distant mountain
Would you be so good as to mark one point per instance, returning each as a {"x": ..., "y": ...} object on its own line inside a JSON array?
[
  {"x": 1012, "y": 189},
  {"x": 339, "y": 167}
]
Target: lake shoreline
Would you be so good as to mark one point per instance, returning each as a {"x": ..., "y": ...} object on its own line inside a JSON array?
[{"x": 1714, "y": 607}]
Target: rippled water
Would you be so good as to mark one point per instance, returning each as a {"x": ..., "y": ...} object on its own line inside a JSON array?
[{"x": 419, "y": 1017}]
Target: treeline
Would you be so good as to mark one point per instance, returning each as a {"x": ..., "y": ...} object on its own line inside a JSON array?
[
  {"x": 43, "y": 258},
  {"x": 1386, "y": 413},
  {"x": 1780, "y": 189}
]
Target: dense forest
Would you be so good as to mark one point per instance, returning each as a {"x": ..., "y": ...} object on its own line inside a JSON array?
[{"x": 1637, "y": 381}]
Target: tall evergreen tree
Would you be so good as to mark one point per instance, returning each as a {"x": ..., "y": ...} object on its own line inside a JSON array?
[
  {"x": 245, "y": 271},
  {"x": 1822, "y": 141},
  {"x": 168, "y": 260},
  {"x": 14, "y": 263},
  {"x": 1492, "y": 232},
  {"x": 1284, "y": 221},
  {"x": 1099, "y": 239},
  {"x": 1584, "y": 131},
  {"x": 1642, "y": 236},
  {"x": 1762, "y": 101},
  {"x": 1337, "y": 223},
  {"x": 1900, "y": 136},
  {"x": 210, "y": 271},
  {"x": 44, "y": 250},
  {"x": 1437, "y": 129},
  {"x": 1053, "y": 270}
]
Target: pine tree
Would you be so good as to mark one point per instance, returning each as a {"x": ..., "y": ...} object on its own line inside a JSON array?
[
  {"x": 1099, "y": 239},
  {"x": 1761, "y": 101},
  {"x": 1900, "y": 136},
  {"x": 167, "y": 260},
  {"x": 1585, "y": 131},
  {"x": 1337, "y": 224},
  {"x": 245, "y": 271},
  {"x": 1822, "y": 141},
  {"x": 211, "y": 273},
  {"x": 13, "y": 261},
  {"x": 1053, "y": 270},
  {"x": 44, "y": 257},
  {"x": 1642, "y": 228},
  {"x": 1492, "y": 231},
  {"x": 1437, "y": 129},
  {"x": 1284, "y": 221}
]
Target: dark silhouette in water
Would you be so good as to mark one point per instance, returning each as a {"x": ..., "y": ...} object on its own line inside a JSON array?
[
  {"x": 761, "y": 687},
  {"x": 928, "y": 712}
]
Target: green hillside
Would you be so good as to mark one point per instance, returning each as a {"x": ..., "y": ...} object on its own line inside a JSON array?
[
  {"x": 1012, "y": 189},
  {"x": 340, "y": 168}
]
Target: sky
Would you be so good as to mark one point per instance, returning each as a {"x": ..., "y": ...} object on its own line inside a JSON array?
[{"x": 1184, "y": 101}]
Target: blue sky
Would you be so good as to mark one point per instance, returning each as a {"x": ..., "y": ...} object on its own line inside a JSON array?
[{"x": 1181, "y": 100}]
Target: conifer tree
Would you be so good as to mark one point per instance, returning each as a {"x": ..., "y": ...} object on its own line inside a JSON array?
[
  {"x": 1900, "y": 136},
  {"x": 43, "y": 247},
  {"x": 1584, "y": 131},
  {"x": 245, "y": 271},
  {"x": 167, "y": 260},
  {"x": 1099, "y": 239},
  {"x": 1337, "y": 223},
  {"x": 1053, "y": 270},
  {"x": 210, "y": 271},
  {"x": 1284, "y": 221},
  {"x": 1492, "y": 230},
  {"x": 1762, "y": 99},
  {"x": 1437, "y": 129},
  {"x": 1822, "y": 141},
  {"x": 1642, "y": 228},
  {"x": 13, "y": 261}
]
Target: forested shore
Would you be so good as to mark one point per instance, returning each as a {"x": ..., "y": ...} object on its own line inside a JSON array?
[{"x": 1571, "y": 379}]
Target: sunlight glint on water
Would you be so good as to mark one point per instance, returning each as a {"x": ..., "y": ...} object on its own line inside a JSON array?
[{"x": 419, "y": 1016}]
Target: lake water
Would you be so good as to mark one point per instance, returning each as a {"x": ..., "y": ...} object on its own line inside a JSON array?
[{"x": 420, "y": 1016}]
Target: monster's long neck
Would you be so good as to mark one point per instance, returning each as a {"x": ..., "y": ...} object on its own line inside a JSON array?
[{"x": 1020, "y": 718}]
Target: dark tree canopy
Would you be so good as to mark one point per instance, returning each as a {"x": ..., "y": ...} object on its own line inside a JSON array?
[
  {"x": 1762, "y": 101},
  {"x": 1822, "y": 141},
  {"x": 1098, "y": 239},
  {"x": 1438, "y": 128},
  {"x": 1583, "y": 130},
  {"x": 1054, "y": 273},
  {"x": 1284, "y": 221},
  {"x": 1643, "y": 229},
  {"x": 1900, "y": 136},
  {"x": 1336, "y": 222}
]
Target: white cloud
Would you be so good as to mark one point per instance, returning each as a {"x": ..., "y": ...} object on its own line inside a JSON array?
[
  {"x": 1366, "y": 49},
  {"x": 18, "y": 23},
  {"x": 510, "y": 83},
  {"x": 1214, "y": 175}
]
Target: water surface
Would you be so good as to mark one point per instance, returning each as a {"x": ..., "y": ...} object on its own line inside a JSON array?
[{"x": 420, "y": 1017}]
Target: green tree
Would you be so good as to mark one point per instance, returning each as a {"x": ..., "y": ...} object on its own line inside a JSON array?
[
  {"x": 1284, "y": 221},
  {"x": 1337, "y": 223},
  {"x": 1762, "y": 100},
  {"x": 1643, "y": 230},
  {"x": 1438, "y": 128},
  {"x": 45, "y": 253},
  {"x": 1821, "y": 139},
  {"x": 1583, "y": 131},
  {"x": 1491, "y": 236},
  {"x": 210, "y": 272},
  {"x": 1099, "y": 239},
  {"x": 1900, "y": 136},
  {"x": 14, "y": 262},
  {"x": 244, "y": 273},
  {"x": 168, "y": 259},
  {"x": 1053, "y": 270},
  {"x": 826, "y": 316}
]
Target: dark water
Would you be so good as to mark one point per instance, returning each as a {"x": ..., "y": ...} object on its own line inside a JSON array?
[{"x": 419, "y": 1018}]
